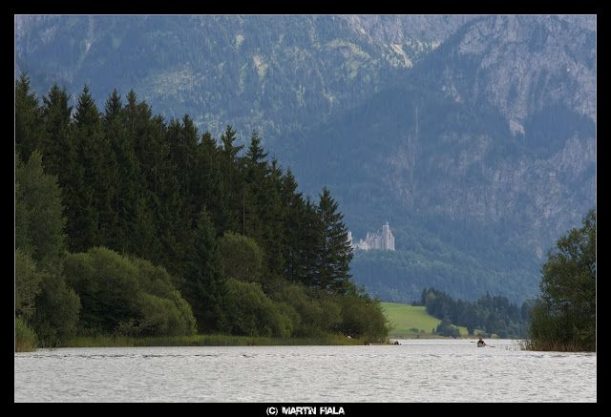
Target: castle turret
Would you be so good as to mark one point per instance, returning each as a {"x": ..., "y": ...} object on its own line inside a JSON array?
[{"x": 388, "y": 240}]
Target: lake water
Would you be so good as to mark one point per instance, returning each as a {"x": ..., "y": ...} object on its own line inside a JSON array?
[{"x": 415, "y": 371}]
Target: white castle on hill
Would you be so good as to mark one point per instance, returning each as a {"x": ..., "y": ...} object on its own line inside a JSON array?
[{"x": 382, "y": 240}]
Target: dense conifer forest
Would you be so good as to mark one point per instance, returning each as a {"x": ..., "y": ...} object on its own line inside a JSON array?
[{"x": 130, "y": 224}]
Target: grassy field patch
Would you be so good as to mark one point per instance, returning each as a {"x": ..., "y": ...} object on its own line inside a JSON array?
[{"x": 410, "y": 321}]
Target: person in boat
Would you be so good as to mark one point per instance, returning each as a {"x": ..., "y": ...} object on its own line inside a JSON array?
[{"x": 480, "y": 342}]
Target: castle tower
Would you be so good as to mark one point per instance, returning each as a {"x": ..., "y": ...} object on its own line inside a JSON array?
[{"x": 388, "y": 240}]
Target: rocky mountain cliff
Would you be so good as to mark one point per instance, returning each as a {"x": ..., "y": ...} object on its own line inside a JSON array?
[
  {"x": 276, "y": 74},
  {"x": 473, "y": 135}
]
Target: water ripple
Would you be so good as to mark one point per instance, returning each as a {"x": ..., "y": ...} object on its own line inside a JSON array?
[{"x": 419, "y": 371}]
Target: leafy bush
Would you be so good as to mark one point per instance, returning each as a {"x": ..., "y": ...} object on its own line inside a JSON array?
[
  {"x": 25, "y": 337},
  {"x": 27, "y": 284},
  {"x": 248, "y": 311},
  {"x": 362, "y": 317},
  {"x": 127, "y": 296},
  {"x": 315, "y": 315},
  {"x": 241, "y": 257},
  {"x": 445, "y": 328},
  {"x": 57, "y": 311}
]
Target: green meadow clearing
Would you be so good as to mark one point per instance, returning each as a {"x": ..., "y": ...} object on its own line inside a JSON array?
[{"x": 411, "y": 321}]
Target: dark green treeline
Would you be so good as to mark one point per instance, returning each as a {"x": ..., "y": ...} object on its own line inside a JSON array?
[
  {"x": 130, "y": 224},
  {"x": 487, "y": 315}
]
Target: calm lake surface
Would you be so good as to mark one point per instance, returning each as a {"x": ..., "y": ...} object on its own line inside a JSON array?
[{"x": 415, "y": 371}]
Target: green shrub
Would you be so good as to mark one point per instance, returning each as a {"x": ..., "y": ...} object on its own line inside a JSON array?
[
  {"x": 249, "y": 312},
  {"x": 241, "y": 257},
  {"x": 27, "y": 284},
  {"x": 127, "y": 296},
  {"x": 316, "y": 316},
  {"x": 362, "y": 317},
  {"x": 57, "y": 311},
  {"x": 108, "y": 286},
  {"x": 25, "y": 337},
  {"x": 445, "y": 328}
]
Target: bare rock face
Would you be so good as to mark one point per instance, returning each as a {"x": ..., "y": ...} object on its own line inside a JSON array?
[
  {"x": 538, "y": 73},
  {"x": 529, "y": 63}
]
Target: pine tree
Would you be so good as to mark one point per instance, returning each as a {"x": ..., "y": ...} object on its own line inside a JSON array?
[
  {"x": 208, "y": 180},
  {"x": 182, "y": 142},
  {"x": 86, "y": 190},
  {"x": 292, "y": 206},
  {"x": 172, "y": 198},
  {"x": 203, "y": 285},
  {"x": 255, "y": 156},
  {"x": 270, "y": 211},
  {"x": 57, "y": 147},
  {"x": 231, "y": 184},
  {"x": 28, "y": 121},
  {"x": 143, "y": 152},
  {"x": 335, "y": 253},
  {"x": 125, "y": 201},
  {"x": 309, "y": 243},
  {"x": 253, "y": 192}
]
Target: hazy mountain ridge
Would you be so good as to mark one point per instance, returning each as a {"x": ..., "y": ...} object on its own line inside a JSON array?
[
  {"x": 276, "y": 74},
  {"x": 473, "y": 135}
]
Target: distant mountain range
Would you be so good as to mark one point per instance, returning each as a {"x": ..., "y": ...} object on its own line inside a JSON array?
[{"x": 474, "y": 136}]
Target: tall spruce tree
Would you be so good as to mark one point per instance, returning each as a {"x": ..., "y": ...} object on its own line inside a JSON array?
[
  {"x": 271, "y": 212},
  {"x": 292, "y": 207},
  {"x": 57, "y": 147},
  {"x": 126, "y": 200},
  {"x": 309, "y": 245},
  {"x": 28, "y": 126},
  {"x": 137, "y": 219},
  {"x": 83, "y": 194},
  {"x": 231, "y": 184},
  {"x": 203, "y": 286},
  {"x": 253, "y": 192},
  {"x": 335, "y": 252},
  {"x": 208, "y": 179}
]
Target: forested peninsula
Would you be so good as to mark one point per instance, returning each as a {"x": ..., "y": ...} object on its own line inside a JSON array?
[{"x": 128, "y": 225}]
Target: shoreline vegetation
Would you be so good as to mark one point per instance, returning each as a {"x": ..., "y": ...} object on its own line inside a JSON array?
[
  {"x": 232, "y": 340},
  {"x": 207, "y": 340},
  {"x": 100, "y": 341}
]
